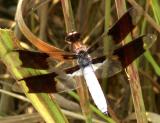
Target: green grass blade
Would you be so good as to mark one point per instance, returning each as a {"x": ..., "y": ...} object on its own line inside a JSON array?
[{"x": 156, "y": 10}]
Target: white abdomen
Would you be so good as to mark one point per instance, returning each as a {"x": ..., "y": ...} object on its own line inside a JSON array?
[{"x": 94, "y": 88}]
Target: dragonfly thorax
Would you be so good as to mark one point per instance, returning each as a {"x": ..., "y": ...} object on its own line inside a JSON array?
[{"x": 84, "y": 59}]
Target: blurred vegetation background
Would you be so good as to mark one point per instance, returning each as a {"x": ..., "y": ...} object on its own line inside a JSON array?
[{"x": 45, "y": 19}]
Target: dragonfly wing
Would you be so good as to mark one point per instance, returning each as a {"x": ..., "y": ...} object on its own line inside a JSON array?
[
  {"x": 39, "y": 60},
  {"x": 74, "y": 71},
  {"x": 41, "y": 83},
  {"x": 120, "y": 29},
  {"x": 110, "y": 66},
  {"x": 66, "y": 83},
  {"x": 123, "y": 56},
  {"x": 124, "y": 25},
  {"x": 49, "y": 83},
  {"x": 32, "y": 59},
  {"x": 129, "y": 52}
]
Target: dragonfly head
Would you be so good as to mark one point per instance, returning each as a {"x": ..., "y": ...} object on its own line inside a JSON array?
[{"x": 72, "y": 37}]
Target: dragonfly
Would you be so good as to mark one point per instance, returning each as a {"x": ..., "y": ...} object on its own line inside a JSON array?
[{"x": 119, "y": 59}]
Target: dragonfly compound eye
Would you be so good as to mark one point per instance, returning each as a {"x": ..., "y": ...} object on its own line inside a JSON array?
[{"x": 72, "y": 37}]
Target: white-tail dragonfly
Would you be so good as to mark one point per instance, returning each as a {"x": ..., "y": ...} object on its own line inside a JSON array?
[{"x": 120, "y": 58}]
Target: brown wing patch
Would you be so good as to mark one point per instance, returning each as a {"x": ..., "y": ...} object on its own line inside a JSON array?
[
  {"x": 41, "y": 83},
  {"x": 120, "y": 29},
  {"x": 72, "y": 69},
  {"x": 32, "y": 59},
  {"x": 129, "y": 52},
  {"x": 98, "y": 59},
  {"x": 124, "y": 25}
]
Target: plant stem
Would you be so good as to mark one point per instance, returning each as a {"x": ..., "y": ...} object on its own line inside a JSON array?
[{"x": 133, "y": 76}]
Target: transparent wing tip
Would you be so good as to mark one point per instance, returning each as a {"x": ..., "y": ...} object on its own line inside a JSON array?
[
  {"x": 136, "y": 15},
  {"x": 149, "y": 40}
]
